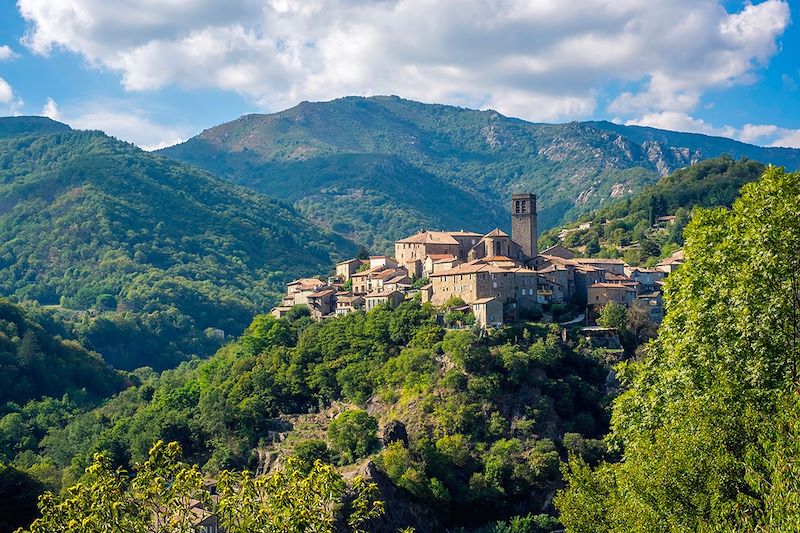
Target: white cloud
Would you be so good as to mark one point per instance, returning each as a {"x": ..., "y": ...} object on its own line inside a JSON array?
[
  {"x": 131, "y": 126},
  {"x": 673, "y": 120},
  {"x": 542, "y": 60},
  {"x": 10, "y": 103},
  {"x": 760, "y": 134},
  {"x": 50, "y": 109},
  {"x": 119, "y": 119},
  {"x": 6, "y": 53},
  {"x": 770, "y": 135},
  {"x": 6, "y": 92}
]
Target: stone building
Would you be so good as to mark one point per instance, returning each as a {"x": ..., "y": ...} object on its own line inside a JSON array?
[
  {"x": 478, "y": 279},
  {"x": 488, "y": 312},
  {"x": 603, "y": 293},
  {"x": 411, "y": 252},
  {"x": 345, "y": 269},
  {"x": 388, "y": 297},
  {"x": 523, "y": 223}
]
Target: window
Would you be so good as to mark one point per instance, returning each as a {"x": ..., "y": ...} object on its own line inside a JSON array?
[{"x": 517, "y": 207}]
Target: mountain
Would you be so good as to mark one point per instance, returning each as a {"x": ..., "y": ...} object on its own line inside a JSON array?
[
  {"x": 630, "y": 228},
  {"x": 379, "y": 168},
  {"x": 11, "y": 126},
  {"x": 36, "y": 364},
  {"x": 143, "y": 254}
]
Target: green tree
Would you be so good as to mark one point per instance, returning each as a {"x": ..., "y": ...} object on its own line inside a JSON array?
[
  {"x": 353, "y": 434},
  {"x": 613, "y": 315},
  {"x": 705, "y": 423},
  {"x": 19, "y": 492},
  {"x": 165, "y": 492},
  {"x": 292, "y": 501},
  {"x": 307, "y": 452}
]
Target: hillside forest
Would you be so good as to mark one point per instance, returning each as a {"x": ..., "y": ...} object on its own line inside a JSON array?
[
  {"x": 697, "y": 434},
  {"x": 145, "y": 387}
]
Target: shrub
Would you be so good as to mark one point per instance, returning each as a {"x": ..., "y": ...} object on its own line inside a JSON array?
[{"x": 353, "y": 435}]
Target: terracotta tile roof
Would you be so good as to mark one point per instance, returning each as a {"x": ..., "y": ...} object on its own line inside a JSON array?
[
  {"x": 368, "y": 271},
  {"x": 610, "y": 276},
  {"x": 389, "y": 273},
  {"x": 382, "y": 294},
  {"x": 429, "y": 237},
  {"x": 496, "y": 232},
  {"x": 349, "y": 261},
  {"x": 441, "y": 257},
  {"x": 499, "y": 258},
  {"x": 646, "y": 270},
  {"x": 654, "y": 294},
  {"x": 483, "y": 300},
  {"x": 612, "y": 286},
  {"x": 322, "y": 293},
  {"x": 599, "y": 260},
  {"x": 306, "y": 283},
  {"x": 465, "y": 234},
  {"x": 671, "y": 261}
]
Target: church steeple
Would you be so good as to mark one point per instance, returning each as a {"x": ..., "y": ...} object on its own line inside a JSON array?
[{"x": 523, "y": 222}]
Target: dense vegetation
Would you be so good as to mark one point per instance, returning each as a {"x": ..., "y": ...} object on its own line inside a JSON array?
[
  {"x": 628, "y": 228},
  {"x": 709, "y": 423},
  {"x": 166, "y": 495},
  {"x": 487, "y": 419},
  {"x": 34, "y": 364},
  {"x": 161, "y": 252},
  {"x": 379, "y": 168}
]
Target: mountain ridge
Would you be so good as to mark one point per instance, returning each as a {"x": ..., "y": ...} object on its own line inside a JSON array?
[
  {"x": 166, "y": 249},
  {"x": 484, "y": 156}
]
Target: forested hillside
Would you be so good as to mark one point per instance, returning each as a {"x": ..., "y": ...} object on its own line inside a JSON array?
[
  {"x": 630, "y": 228},
  {"x": 376, "y": 169},
  {"x": 34, "y": 364},
  {"x": 143, "y": 256},
  {"x": 484, "y": 421}
]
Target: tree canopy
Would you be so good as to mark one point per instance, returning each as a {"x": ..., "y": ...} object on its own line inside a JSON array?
[{"x": 708, "y": 422}]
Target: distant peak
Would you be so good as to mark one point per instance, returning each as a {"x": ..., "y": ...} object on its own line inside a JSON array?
[{"x": 29, "y": 125}]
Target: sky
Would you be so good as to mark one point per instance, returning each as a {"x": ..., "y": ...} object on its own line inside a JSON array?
[{"x": 156, "y": 72}]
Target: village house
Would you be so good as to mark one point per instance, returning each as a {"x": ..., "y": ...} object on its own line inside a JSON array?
[
  {"x": 347, "y": 302},
  {"x": 345, "y": 269},
  {"x": 655, "y": 304},
  {"x": 374, "y": 278},
  {"x": 322, "y": 302},
  {"x": 488, "y": 312},
  {"x": 480, "y": 279},
  {"x": 439, "y": 262},
  {"x": 603, "y": 293},
  {"x": 388, "y": 297},
  {"x": 669, "y": 265},
  {"x": 412, "y": 252},
  {"x": 615, "y": 266},
  {"x": 648, "y": 277}
]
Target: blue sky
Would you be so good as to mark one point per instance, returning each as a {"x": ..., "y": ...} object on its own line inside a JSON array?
[{"x": 157, "y": 72}]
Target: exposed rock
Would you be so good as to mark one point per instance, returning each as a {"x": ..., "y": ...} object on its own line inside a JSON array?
[
  {"x": 395, "y": 431},
  {"x": 401, "y": 508}
]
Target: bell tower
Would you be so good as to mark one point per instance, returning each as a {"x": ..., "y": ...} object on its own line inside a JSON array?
[{"x": 523, "y": 223}]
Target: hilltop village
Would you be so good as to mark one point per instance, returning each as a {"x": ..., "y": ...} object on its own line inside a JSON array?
[{"x": 497, "y": 277}]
